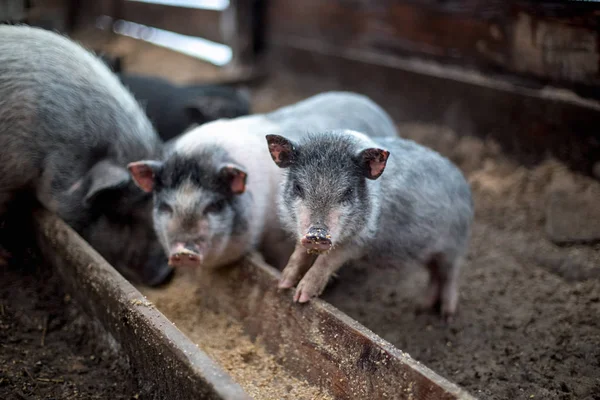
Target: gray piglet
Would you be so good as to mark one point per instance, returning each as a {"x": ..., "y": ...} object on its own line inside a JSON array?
[
  {"x": 215, "y": 193},
  {"x": 68, "y": 128},
  {"x": 349, "y": 198}
]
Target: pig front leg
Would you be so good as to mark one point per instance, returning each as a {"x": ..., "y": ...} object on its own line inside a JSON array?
[
  {"x": 299, "y": 262},
  {"x": 315, "y": 280}
]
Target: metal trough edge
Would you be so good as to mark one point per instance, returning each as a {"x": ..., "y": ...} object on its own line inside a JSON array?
[
  {"x": 317, "y": 341},
  {"x": 161, "y": 355},
  {"x": 314, "y": 341}
]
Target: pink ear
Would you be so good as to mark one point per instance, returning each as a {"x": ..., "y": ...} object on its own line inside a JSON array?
[
  {"x": 281, "y": 149},
  {"x": 374, "y": 161},
  {"x": 236, "y": 178},
  {"x": 142, "y": 173}
]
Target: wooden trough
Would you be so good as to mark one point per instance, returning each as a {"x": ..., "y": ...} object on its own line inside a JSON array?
[{"x": 315, "y": 343}]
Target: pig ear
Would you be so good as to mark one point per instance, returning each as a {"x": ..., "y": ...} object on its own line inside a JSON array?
[
  {"x": 104, "y": 176},
  {"x": 235, "y": 178},
  {"x": 282, "y": 150},
  {"x": 372, "y": 162},
  {"x": 144, "y": 174}
]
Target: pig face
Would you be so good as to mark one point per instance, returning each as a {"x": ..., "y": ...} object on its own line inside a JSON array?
[
  {"x": 120, "y": 224},
  {"x": 325, "y": 195},
  {"x": 196, "y": 207}
]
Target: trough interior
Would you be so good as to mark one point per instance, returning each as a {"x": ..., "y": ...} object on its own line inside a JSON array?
[{"x": 225, "y": 339}]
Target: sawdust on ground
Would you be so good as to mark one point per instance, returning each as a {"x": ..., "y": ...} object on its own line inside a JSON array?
[{"x": 223, "y": 339}]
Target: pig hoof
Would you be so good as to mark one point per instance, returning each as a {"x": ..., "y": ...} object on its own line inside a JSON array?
[
  {"x": 304, "y": 298},
  {"x": 304, "y": 293},
  {"x": 285, "y": 283},
  {"x": 448, "y": 314},
  {"x": 301, "y": 297},
  {"x": 312, "y": 285},
  {"x": 447, "y": 318}
]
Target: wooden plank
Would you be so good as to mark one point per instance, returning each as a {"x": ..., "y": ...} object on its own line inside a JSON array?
[
  {"x": 186, "y": 21},
  {"x": 545, "y": 41},
  {"x": 163, "y": 358},
  {"x": 242, "y": 31},
  {"x": 318, "y": 342},
  {"x": 529, "y": 124},
  {"x": 51, "y": 14}
]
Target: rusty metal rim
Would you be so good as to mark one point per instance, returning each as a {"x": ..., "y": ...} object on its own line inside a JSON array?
[{"x": 161, "y": 355}]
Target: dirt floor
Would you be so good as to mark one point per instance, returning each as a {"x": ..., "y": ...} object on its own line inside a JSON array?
[
  {"x": 528, "y": 324},
  {"x": 48, "y": 348}
]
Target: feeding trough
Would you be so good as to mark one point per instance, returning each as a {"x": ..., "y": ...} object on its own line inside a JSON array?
[{"x": 287, "y": 350}]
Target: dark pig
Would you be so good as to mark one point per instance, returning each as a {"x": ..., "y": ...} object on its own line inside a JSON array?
[
  {"x": 214, "y": 195},
  {"x": 348, "y": 198},
  {"x": 115, "y": 63},
  {"x": 68, "y": 128},
  {"x": 173, "y": 108}
]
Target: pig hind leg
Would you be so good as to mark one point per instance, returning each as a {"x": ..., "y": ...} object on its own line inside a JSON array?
[{"x": 442, "y": 288}]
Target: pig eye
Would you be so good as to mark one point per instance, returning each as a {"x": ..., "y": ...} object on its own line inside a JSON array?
[
  {"x": 165, "y": 208},
  {"x": 215, "y": 207},
  {"x": 298, "y": 191},
  {"x": 347, "y": 196}
]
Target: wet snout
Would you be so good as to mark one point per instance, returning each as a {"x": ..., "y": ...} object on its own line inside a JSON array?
[
  {"x": 317, "y": 239},
  {"x": 187, "y": 254}
]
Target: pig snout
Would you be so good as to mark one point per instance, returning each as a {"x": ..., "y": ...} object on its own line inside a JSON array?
[
  {"x": 317, "y": 239},
  {"x": 185, "y": 255}
]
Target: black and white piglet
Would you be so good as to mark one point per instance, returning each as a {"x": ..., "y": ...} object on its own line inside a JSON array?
[
  {"x": 353, "y": 199},
  {"x": 68, "y": 129},
  {"x": 215, "y": 194}
]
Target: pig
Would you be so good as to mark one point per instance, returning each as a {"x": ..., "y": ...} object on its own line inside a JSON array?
[
  {"x": 215, "y": 191},
  {"x": 68, "y": 129},
  {"x": 352, "y": 199},
  {"x": 173, "y": 109},
  {"x": 114, "y": 63}
]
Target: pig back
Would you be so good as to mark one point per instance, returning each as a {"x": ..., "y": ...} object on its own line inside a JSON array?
[
  {"x": 334, "y": 111},
  {"x": 426, "y": 202},
  {"x": 62, "y": 109}
]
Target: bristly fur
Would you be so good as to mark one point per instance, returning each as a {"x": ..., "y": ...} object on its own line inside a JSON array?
[{"x": 200, "y": 169}]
